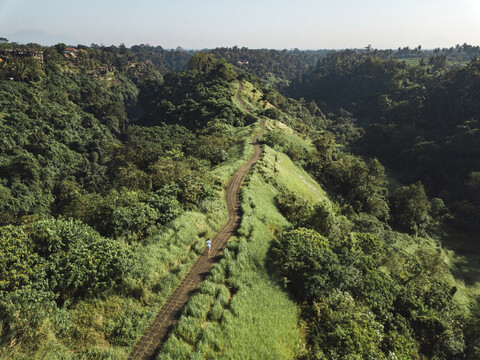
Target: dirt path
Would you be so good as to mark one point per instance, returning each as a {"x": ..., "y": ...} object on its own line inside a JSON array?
[{"x": 150, "y": 342}]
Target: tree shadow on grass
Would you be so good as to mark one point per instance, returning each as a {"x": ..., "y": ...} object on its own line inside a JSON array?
[
  {"x": 466, "y": 258},
  {"x": 467, "y": 268}
]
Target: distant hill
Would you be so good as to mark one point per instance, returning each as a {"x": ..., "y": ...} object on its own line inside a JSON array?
[{"x": 40, "y": 37}]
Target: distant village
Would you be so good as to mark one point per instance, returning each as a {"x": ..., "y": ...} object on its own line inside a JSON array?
[
  {"x": 70, "y": 54},
  {"x": 22, "y": 53}
]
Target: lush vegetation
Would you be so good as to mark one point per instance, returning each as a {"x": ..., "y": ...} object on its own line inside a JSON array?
[
  {"x": 419, "y": 121},
  {"x": 105, "y": 202},
  {"x": 368, "y": 288},
  {"x": 366, "y": 254},
  {"x": 113, "y": 162}
]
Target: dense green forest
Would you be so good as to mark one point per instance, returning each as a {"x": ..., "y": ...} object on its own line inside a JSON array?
[
  {"x": 113, "y": 164},
  {"x": 420, "y": 121}
]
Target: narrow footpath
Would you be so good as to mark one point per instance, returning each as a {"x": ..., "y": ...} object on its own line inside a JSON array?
[{"x": 151, "y": 341}]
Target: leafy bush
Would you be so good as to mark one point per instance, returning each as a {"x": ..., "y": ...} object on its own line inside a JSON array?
[
  {"x": 343, "y": 329},
  {"x": 79, "y": 261},
  {"x": 328, "y": 222},
  {"x": 25, "y": 294},
  {"x": 304, "y": 260},
  {"x": 293, "y": 207}
]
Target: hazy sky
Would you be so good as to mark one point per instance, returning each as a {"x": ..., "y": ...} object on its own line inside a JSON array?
[{"x": 196, "y": 24}]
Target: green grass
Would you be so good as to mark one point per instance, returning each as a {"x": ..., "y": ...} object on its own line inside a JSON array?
[
  {"x": 290, "y": 134},
  {"x": 249, "y": 315},
  {"x": 251, "y": 97},
  {"x": 279, "y": 169}
]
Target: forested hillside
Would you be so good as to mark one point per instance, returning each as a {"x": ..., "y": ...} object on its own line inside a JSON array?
[
  {"x": 113, "y": 165},
  {"x": 90, "y": 176},
  {"x": 420, "y": 121}
]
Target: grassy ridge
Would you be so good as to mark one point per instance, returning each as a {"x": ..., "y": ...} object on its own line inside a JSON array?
[
  {"x": 289, "y": 134},
  {"x": 240, "y": 312}
]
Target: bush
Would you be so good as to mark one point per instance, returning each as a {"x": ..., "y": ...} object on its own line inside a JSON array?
[
  {"x": 134, "y": 221},
  {"x": 326, "y": 220},
  {"x": 293, "y": 207},
  {"x": 175, "y": 348},
  {"x": 304, "y": 260},
  {"x": 343, "y": 329},
  {"x": 198, "y": 306},
  {"x": 410, "y": 208},
  {"x": 79, "y": 261},
  {"x": 25, "y": 296}
]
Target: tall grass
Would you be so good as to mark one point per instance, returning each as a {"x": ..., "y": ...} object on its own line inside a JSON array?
[
  {"x": 248, "y": 315},
  {"x": 290, "y": 134}
]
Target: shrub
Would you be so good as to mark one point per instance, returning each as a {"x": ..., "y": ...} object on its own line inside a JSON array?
[
  {"x": 410, "y": 208},
  {"x": 304, "y": 260},
  {"x": 326, "y": 220},
  {"x": 25, "y": 296},
  {"x": 343, "y": 329},
  {"x": 216, "y": 312},
  {"x": 80, "y": 262},
  {"x": 175, "y": 348},
  {"x": 188, "y": 328},
  {"x": 208, "y": 288},
  {"x": 133, "y": 221},
  {"x": 293, "y": 207},
  {"x": 198, "y": 306}
]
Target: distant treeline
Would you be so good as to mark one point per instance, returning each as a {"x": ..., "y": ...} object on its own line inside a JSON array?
[{"x": 277, "y": 67}]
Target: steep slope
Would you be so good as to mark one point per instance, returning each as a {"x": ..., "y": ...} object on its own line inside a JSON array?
[{"x": 241, "y": 312}]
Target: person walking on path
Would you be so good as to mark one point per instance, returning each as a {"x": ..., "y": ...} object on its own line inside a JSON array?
[{"x": 209, "y": 246}]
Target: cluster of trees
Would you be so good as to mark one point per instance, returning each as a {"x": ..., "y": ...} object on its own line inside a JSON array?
[
  {"x": 420, "y": 121},
  {"x": 50, "y": 262},
  {"x": 372, "y": 282},
  {"x": 197, "y": 98},
  {"x": 68, "y": 142},
  {"x": 278, "y": 67},
  {"x": 455, "y": 54},
  {"x": 459, "y": 53},
  {"x": 364, "y": 298}
]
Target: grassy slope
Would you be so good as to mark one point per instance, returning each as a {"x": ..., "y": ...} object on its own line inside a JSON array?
[
  {"x": 289, "y": 134},
  {"x": 242, "y": 313}
]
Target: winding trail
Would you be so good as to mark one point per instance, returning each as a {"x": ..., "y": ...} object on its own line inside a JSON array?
[{"x": 151, "y": 341}]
